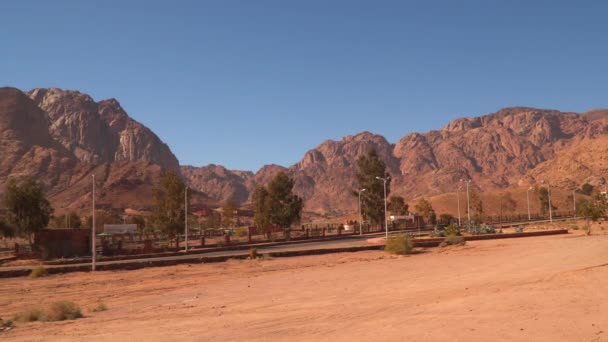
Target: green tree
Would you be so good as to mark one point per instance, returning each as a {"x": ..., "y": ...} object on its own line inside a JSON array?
[
  {"x": 370, "y": 166},
  {"x": 591, "y": 209},
  {"x": 446, "y": 218},
  {"x": 425, "y": 209},
  {"x": 229, "y": 213},
  {"x": 276, "y": 205},
  {"x": 507, "y": 203},
  {"x": 261, "y": 208},
  {"x": 6, "y": 230},
  {"x": 213, "y": 221},
  {"x": 397, "y": 205},
  {"x": 71, "y": 220},
  {"x": 139, "y": 221},
  {"x": 587, "y": 189},
  {"x": 28, "y": 209},
  {"x": 476, "y": 205},
  {"x": 543, "y": 198},
  {"x": 169, "y": 209}
]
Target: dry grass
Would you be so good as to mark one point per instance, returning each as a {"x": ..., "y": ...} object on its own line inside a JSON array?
[
  {"x": 99, "y": 307},
  {"x": 38, "y": 272},
  {"x": 57, "y": 311},
  {"x": 400, "y": 244}
]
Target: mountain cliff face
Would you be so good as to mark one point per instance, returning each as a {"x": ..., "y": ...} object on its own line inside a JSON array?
[
  {"x": 61, "y": 137},
  {"x": 514, "y": 147}
]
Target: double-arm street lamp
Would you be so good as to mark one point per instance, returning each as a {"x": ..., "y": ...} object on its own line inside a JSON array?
[
  {"x": 360, "y": 213},
  {"x": 458, "y": 200},
  {"x": 468, "y": 201},
  {"x": 385, "y": 206},
  {"x": 549, "y": 198},
  {"x": 528, "y": 200}
]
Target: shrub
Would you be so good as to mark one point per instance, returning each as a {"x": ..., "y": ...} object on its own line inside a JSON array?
[
  {"x": 242, "y": 232},
  {"x": 400, "y": 244},
  {"x": 5, "y": 325},
  {"x": 437, "y": 232},
  {"x": 38, "y": 271},
  {"x": 452, "y": 230},
  {"x": 29, "y": 315},
  {"x": 519, "y": 229},
  {"x": 62, "y": 310},
  {"x": 57, "y": 311},
  {"x": 253, "y": 253},
  {"x": 100, "y": 307},
  {"x": 452, "y": 240}
]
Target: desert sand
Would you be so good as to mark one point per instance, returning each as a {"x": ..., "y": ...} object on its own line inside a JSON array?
[{"x": 552, "y": 288}]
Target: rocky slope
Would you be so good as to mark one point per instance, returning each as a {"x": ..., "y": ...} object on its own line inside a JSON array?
[
  {"x": 509, "y": 149},
  {"x": 63, "y": 137}
]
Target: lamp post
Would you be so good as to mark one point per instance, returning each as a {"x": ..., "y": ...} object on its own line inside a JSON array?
[
  {"x": 186, "y": 218},
  {"x": 528, "y": 200},
  {"x": 458, "y": 200},
  {"x": 360, "y": 214},
  {"x": 549, "y": 198},
  {"x": 574, "y": 202},
  {"x": 468, "y": 201},
  {"x": 93, "y": 247},
  {"x": 385, "y": 206}
]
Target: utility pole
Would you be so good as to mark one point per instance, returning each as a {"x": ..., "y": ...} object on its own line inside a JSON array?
[
  {"x": 468, "y": 202},
  {"x": 574, "y": 202},
  {"x": 360, "y": 214},
  {"x": 458, "y": 200},
  {"x": 550, "y": 209},
  {"x": 385, "y": 206},
  {"x": 528, "y": 200},
  {"x": 186, "y": 217},
  {"x": 93, "y": 247}
]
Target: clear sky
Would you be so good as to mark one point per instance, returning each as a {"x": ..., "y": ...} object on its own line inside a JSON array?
[{"x": 248, "y": 83}]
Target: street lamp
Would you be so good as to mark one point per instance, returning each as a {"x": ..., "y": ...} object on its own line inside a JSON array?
[
  {"x": 549, "y": 197},
  {"x": 360, "y": 214},
  {"x": 458, "y": 200},
  {"x": 528, "y": 200},
  {"x": 93, "y": 247},
  {"x": 385, "y": 219},
  {"x": 186, "y": 218},
  {"x": 468, "y": 201},
  {"x": 574, "y": 201}
]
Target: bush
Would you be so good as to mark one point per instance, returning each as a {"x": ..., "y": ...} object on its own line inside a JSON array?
[
  {"x": 519, "y": 229},
  {"x": 38, "y": 271},
  {"x": 100, "y": 307},
  {"x": 242, "y": 232},
  {"x": 400, "y": 244},
  {"x": 62, "y": 310},
  {"x": 5, "y": 325},
  {"x": 452, "y": 230},
  {"x": 253, "y": 253},
  {"x": 452, "y": 240},
  {"x": 57, "y": 311},
  {"x": 29, "y": 315}
]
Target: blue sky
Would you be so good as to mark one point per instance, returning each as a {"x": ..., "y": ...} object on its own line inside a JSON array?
[{"x": 248, "y": 83}]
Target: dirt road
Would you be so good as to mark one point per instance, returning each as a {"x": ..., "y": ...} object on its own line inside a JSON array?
[{"x": 551, "y": 288}]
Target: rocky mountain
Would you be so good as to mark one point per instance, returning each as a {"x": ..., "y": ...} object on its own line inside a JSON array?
[
  {"x": 512, "y": 148},
  {"x": 62, "y": 137}
]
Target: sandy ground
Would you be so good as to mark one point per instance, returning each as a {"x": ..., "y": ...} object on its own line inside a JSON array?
[{"x": 552, "y": 288}]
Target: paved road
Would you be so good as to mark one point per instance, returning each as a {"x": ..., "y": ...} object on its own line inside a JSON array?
[{"x": 351, "y": 241}]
